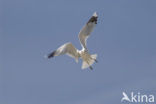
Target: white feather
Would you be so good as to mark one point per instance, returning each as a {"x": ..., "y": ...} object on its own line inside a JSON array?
[{"x": 95, "y": 14}]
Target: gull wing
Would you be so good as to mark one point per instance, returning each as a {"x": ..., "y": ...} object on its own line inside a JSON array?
[
  {"x": 86, "y": 30},
  {"x": 67, "y": 48}
]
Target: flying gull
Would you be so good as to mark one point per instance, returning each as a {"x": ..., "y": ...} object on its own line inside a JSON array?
[{"x": 84, "y": 54}]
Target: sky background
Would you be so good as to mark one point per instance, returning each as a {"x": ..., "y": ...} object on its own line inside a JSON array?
[{"x": 124, "y": 39}]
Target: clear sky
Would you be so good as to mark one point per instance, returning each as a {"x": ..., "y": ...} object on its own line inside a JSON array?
[{"x": 124, "y": 39}]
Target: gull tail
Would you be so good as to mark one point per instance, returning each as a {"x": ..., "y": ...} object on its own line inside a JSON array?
[{"x": 90, "y": 61}]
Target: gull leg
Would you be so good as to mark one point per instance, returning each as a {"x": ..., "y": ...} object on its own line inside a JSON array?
[
  {"x": 96, "y": 61},
  {"x": 91, "y": 68}
]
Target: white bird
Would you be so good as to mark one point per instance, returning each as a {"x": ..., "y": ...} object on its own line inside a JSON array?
[{"x": 70, "y": 50}]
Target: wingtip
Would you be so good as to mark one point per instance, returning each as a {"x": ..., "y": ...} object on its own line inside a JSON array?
[
  {"x": 50, "y": 55},
  {"x": 95, "y": 14}
]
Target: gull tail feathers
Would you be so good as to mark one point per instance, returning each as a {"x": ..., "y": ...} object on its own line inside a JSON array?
[{"x": 86, "y": 64}]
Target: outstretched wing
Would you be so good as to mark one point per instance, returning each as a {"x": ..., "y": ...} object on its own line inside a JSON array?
[
  {"x": 87, "y": 29},
  {"x": 67, "y": 48}
]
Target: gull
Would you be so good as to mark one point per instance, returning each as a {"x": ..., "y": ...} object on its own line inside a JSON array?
[{"x": 70, "y": 50}]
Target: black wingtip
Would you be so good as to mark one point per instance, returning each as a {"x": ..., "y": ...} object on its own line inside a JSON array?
[
  {"x": 93, "y": 19},
  {"x": 51, "y": 54}
]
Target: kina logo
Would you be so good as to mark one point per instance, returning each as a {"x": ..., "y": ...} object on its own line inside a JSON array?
[{"x": 138, "y": 97}]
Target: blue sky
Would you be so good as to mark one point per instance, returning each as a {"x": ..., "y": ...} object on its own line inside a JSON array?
[{"x": 124, "y": 40}]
